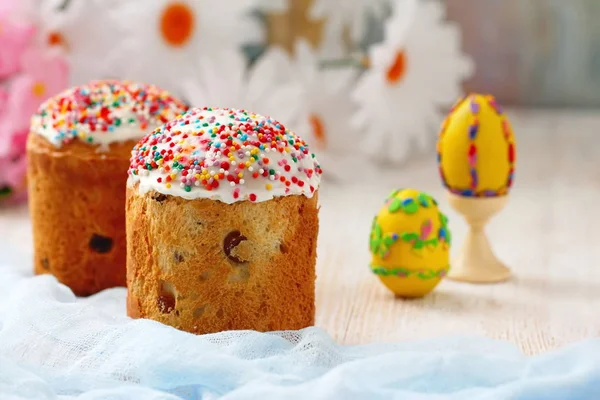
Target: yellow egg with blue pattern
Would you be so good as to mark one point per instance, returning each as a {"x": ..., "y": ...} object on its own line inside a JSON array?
[
  {"x": 410, "y": 243},
  {"x": 477, "y": 148}
]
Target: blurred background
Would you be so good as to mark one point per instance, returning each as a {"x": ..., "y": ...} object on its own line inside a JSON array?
[
  {"x": 533, "y": 53},
  {"x": 373, "y": 78},
  {"x": 540, "y": 53}
]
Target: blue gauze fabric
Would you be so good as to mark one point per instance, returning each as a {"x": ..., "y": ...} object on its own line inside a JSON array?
[{"x": 56, "y": 346}]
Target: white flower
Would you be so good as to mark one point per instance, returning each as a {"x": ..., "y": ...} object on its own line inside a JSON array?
[
  {"x": 83, "y": 31},
  {"x": 223, "y": 80},
  {"x": 154, "y": 41},
  {"x": 414, "y": 73},
  {"x": 326, "y": 110},
  {"x": 341, "y": 14},
  {"x": 312, "y": 102}
]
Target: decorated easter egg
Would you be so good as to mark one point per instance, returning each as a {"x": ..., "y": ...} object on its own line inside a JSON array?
[
  {"x": 477, "y": 149},
  {"x": 410, "y": 243}
]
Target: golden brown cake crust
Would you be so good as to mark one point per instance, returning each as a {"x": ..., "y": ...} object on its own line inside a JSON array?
[
  {"x": 205, "y": 266},
  {"x": 77, "y": 205}
]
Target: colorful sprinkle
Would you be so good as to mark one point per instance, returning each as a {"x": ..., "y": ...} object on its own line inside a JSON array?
[
  {"x": 394, "y": 205},
  {"x": 494, "y": 105},
  {"x": 105, "y": 111},
  {"x": 472, "y": 155},
  {"x": 402, "y": 272},
  {"x": 225, "y": 154},
  {"x": 423, "y": 200},
  {"x": 408, "y": 205},
  {"x": 473, "y": 131},
  {"x": 380, "y": 244},
  {"x": 474, "y": 106}
]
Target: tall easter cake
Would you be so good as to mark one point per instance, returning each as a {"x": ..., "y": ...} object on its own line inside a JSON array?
[
  {"x": 222, "y": 223},
  {"x": 78, "y": 153}
]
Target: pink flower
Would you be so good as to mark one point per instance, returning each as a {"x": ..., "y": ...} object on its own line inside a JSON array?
[
  {"x": 14, "y": 165},
  {"x": 5, "y": 124},
  {"x": 15, "y": 36},
  {"x": 3, "y": 100},
  {"x": 44, "y": 74},
  {"x": 13, "y": 173},
  {"x": 7, "y": 7},
  {"x": 12, "y": 155},
  {"x": 33, "y": 76}
]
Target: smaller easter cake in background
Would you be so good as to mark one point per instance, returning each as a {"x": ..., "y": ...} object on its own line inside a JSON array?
[
  {"x": 222, "y": 223},
  {"x": 410, "y": 243},
  {"x": 78, "y": 152},
  {"x": 476, "y": 148}
]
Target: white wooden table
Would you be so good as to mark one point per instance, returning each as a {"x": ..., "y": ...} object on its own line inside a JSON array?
[{"x": 548, "y": 234}]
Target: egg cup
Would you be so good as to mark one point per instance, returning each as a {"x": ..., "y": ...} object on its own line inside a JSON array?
[
  {"x": 476, "y": 262},
  {"x": 476, "y": 158}
]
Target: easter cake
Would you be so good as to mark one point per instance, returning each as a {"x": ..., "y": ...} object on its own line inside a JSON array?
[
  {"x": 78, "y": 154},
  {"x": 222, "y": 223}
]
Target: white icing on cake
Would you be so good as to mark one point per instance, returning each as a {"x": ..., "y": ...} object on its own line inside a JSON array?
[
  {"x": 226, "y": 155},
  {"x": 105, "y": 112}
]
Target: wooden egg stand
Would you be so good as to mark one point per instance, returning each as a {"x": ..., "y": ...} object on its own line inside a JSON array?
[{"x": 475, "y": 261}]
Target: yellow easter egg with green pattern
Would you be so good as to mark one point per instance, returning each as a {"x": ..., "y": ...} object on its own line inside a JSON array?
[
  {"x": 477, "y": 148},
  {"x": 410, "y": 243}
]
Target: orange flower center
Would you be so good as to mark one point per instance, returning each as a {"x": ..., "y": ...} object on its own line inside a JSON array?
[
  {"x": 38, "y": 89},
  {"x": 318, "y": 128},
  {"x": 397, "y": 70},
  {"x": 56, "y": 39},
  {"x": 177, "y": 24}
]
